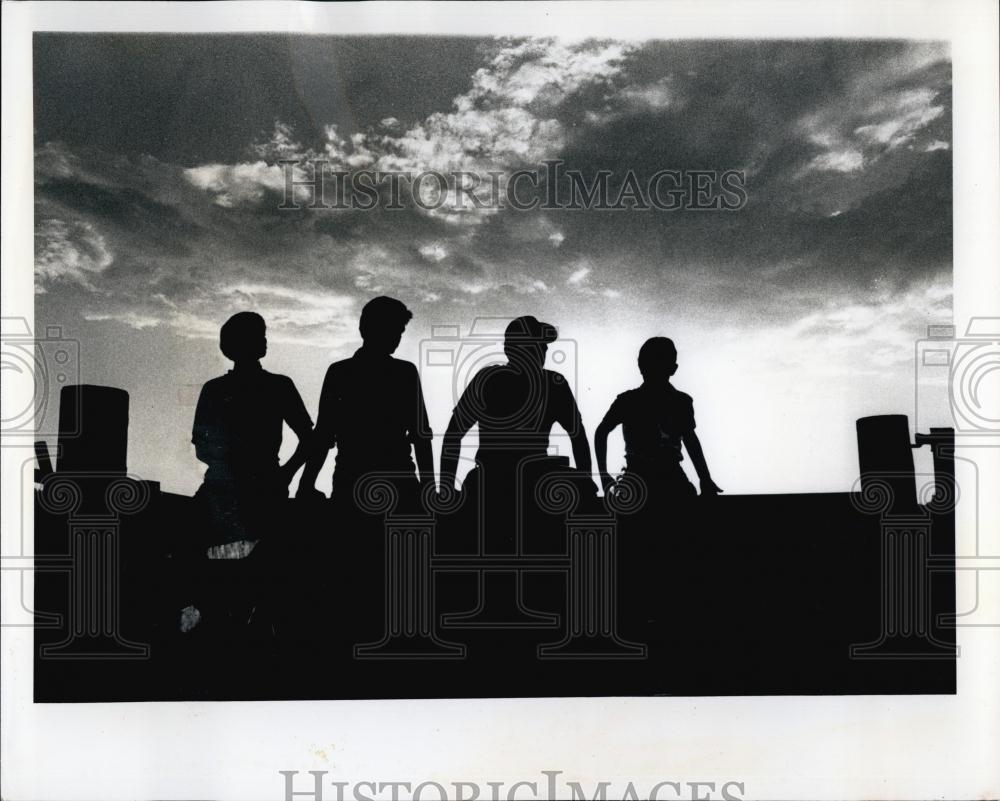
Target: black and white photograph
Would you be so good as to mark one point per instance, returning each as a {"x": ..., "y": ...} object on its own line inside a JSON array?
[{"x": 448, "y": 367}]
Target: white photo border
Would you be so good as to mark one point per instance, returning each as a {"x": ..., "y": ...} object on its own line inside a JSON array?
[{"x": 850, "y": 747}]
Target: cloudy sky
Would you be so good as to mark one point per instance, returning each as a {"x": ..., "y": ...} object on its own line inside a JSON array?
[{"x": 156, "y": 216}]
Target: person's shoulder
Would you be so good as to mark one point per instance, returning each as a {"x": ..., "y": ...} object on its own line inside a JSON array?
[
  {"x": 282, "y": 382},
  {"x": 682, "y": 397},
  {"x": 403, "y": 366},
  {"x": 556, "y": 379},
  {"x": 217, "y": 384},
  {"x": 403, "y": 371},
  {"x": 340, "y": 366},
  {"x": 628, "y": 395}
]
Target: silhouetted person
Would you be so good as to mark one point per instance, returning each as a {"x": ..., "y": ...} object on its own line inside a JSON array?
[
  {"x": 237, "y": 433},
  {"x": 515, "y": 406},
  {"x": 237, "y": 430},
  {"x": 656, "y": 419},
  {"x": 372, "y": 409}
]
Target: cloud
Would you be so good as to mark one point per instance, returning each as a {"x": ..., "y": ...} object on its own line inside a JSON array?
[
  {"x": 854, "y": 335},
  {"x": 250, "y": 184},
  {"x": 68, "y": 251},
  {"x": 297, "y": 315},
  {"x": 434, "y": 251},
  {"x": 659, "y": 95},
  {"x": 838, "y": 161},
  {"x": 543, "y": 72},
  {"x": 886, "y": 112},
  {"x": 848, "y": 187},
  {"x": 281, "y": 145},
  {"x": 506, "y": 120},
  {"x": 909, "y": 112},
  {"x": 130, "y": 318}
]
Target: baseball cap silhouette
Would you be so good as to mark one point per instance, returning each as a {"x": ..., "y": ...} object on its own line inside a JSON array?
[{"x": 527, "y": 329}]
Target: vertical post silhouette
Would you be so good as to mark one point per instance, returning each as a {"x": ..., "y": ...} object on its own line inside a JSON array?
[{"x": 888, "y": 487}]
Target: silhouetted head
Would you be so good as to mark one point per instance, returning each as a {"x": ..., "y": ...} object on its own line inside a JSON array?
[
  {"x": 383, "y": 321},
  {"x": 657, "y": 358},
  {"x": 526, "y": 340},
  {"x": 243, "y": 337}
]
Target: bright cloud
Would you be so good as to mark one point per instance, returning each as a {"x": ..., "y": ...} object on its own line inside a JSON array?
[
  {"x": 69, "y": 251},
  {"x": 909, "y": 111}
]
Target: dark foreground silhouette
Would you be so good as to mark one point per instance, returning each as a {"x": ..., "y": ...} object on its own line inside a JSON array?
[
  {"x": 745, "y": 595},
  {"x": 522, "y": 582}
]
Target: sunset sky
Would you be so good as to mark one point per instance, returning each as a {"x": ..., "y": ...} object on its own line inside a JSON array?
[{"x": 156, "y": 217}]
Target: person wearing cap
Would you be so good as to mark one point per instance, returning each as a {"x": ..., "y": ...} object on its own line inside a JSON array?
[
  {"x": 372, "y": 409},
  {"x": 515, "y": 406}
]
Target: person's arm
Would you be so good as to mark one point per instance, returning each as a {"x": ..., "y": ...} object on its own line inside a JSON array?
[
  {"x": 570, "y": 419},
  {"x": 578, "y": 439},
  {"x": 206, "y": 434},
  {"x": 300, "y": 422},
  {"x": 462, "y": 419},
  {"x": 606, "y": 426},
  {"x": 693, "y": 446},
  {"x": 323, "y": 437},
  {"x": 421, "y": 435},
  {"x": 450, "y": 451}
]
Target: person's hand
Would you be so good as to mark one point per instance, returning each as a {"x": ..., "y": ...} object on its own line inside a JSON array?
[
  {"x": 285, "y": 474},
  {"x": 608, "y": 482},
  {"x": 309, "y": 493},
  {"x": 446, "y": 486},
  {"x": 710, "y": 488}
]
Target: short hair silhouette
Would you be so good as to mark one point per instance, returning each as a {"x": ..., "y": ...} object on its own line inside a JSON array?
[
  {"x": 242, "y": 337},
  {"x": 383, "y": 315},
  {"x": 657, "y": 355}
]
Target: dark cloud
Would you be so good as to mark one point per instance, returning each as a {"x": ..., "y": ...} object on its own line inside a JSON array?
[
  {"x": 189, "y": 99},
  {"x": 158, "y": 185}
]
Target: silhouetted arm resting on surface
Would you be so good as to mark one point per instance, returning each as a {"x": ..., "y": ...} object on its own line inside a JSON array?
[
  {"x": 450, "y": 451},
  {"x": 601, "y": 450},
  {"x": 612, "y": 419},
  {"x": 462, "y": 419},
  {"x": 297, "y": 418},
  {"x": 322, "y": 440},
  {"x": 572, "y": 422},
  {"x": 693, "y": 446},
  {"x": 421, "y": 434}
]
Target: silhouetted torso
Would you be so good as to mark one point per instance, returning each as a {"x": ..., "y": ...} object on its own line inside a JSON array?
[
  {"x": 372, "y": 408},
  {"x": 516, "y": 409},
  {"x": 238, "y": 423},
  {"x": 654, "y": 418}
]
